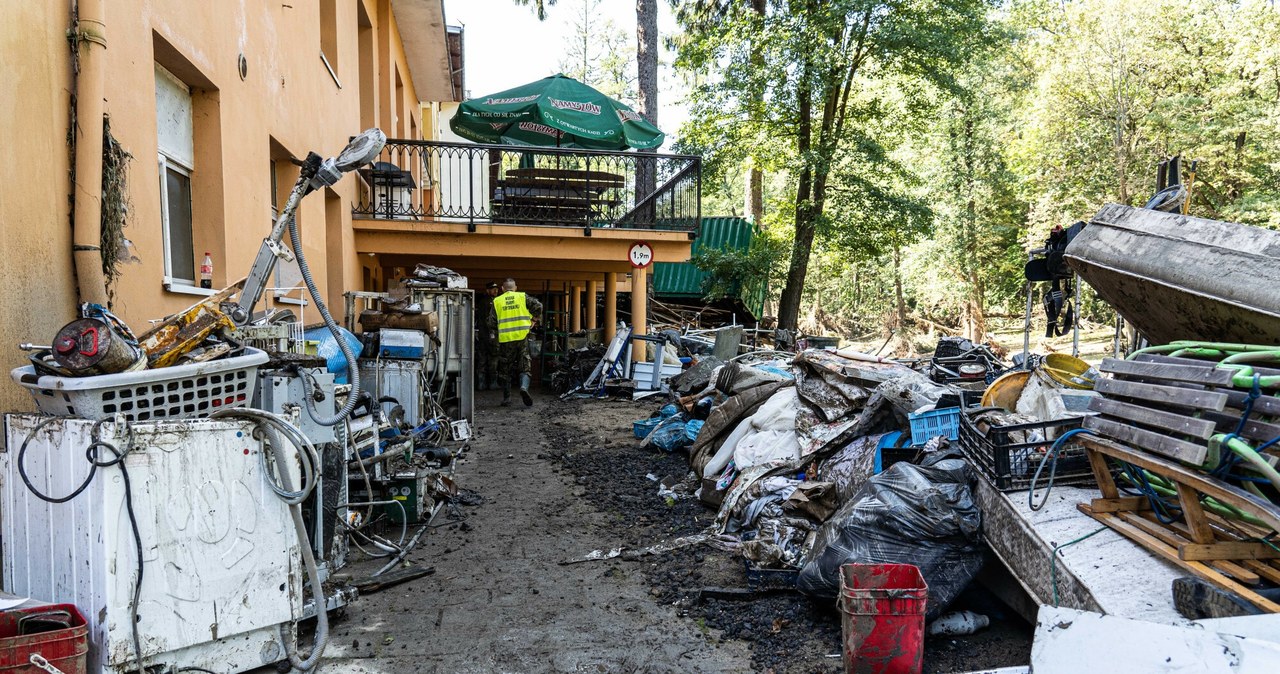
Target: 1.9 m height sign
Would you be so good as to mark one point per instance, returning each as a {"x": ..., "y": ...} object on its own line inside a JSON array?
[{"x": 640, "y": 254}]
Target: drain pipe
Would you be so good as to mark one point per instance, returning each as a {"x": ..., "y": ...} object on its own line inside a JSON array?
[{"x": 86, "y": 236}]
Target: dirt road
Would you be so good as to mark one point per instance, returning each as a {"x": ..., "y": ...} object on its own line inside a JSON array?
[
  {"x": 500, "y": 601},
  {"x": 562, "y": 479}
]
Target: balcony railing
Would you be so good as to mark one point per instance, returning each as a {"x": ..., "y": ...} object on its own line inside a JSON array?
[{"x": 503, "y": 184}]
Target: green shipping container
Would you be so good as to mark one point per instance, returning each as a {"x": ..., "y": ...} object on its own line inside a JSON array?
[{"x": 684, "y": 281}]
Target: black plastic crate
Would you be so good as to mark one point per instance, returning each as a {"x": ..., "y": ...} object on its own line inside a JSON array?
[{"x": 1008, "y": 458}]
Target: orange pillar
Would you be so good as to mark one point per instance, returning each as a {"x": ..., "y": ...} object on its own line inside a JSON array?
[
  {"x": 575, "y": 308},
  {"x": 639, "y": 311},
  {"x": 593, "y": 289},
  {"x": 610, "y": 306}
]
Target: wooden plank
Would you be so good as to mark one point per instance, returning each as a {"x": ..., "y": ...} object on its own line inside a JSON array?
[
  {"x": 1102, "y": 475},
  {"x": 1193, "y": 514},
  {"x": 1226, "y": 550},
  {"x": 1226, "y": 422},
  {"x": 1200, "y": 569},
  {"x": 1171, "y": 421},
  {"x": 1123, "y": 503},
  {"x": 1167, "y": 395},
  {"x": 1263, "y": 569},
  {"x": 1152, "y": 442},
  {"x": 1194, "y": 374},
  {"x": 1260, "y": 508},
  {"x": 1175, "y": 536}
]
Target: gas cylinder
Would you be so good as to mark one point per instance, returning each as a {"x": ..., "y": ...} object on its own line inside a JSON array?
[{"x": 88, "y": 346}]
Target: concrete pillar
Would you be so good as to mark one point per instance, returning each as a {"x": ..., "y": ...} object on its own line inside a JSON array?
[
  {"x": 593, "y": 289},
  {"x": 639, "y": 310},
  {"x": 575, "y": 308},
  {"x": 610, "y": 305}
]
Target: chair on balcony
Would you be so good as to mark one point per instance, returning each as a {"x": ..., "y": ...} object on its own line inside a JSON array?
[{"x": 391, "y": 189}]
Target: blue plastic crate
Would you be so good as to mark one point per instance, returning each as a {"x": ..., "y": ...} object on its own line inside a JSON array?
[
  {"x": 931, "y": 424},
  {"x": 641, "y": 428}
]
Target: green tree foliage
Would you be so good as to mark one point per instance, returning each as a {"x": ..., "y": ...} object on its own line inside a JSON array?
[
  {"x": 794, "y": 77},
  {"x": 600, "y": 53},
  {"x": 918, "y": 150}
]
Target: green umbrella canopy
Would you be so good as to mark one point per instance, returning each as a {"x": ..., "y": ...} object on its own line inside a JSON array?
[{"x": 556, "y": 111}]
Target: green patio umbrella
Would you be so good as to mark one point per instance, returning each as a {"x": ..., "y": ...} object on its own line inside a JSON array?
[{"x": 556, "y": 111}]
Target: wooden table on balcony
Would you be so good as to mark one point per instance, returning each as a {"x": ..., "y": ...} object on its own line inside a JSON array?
[{"x": 554, "y": 196}]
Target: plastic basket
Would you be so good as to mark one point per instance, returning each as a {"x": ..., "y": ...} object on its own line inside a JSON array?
[
  {"x": 945, "y": 422},
  {"x": 176, "y": 392},
  {"x": 642, "y": 427},
  {"x": 1009, "y": 455}
]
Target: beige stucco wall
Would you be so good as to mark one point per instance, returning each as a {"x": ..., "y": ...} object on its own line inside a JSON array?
[
  {"x": 37, "y": 288},
  {"x": 287, "y": 95}
]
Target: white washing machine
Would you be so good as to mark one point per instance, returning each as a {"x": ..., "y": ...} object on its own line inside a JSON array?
[{"x": 222, "y": 578}]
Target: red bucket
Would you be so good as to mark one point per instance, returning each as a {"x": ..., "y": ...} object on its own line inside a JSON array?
[
  {"x": 882, "y": 618},
  {"x": 64, "y": 648}
]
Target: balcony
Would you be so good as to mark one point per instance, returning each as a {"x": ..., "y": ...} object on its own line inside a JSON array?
[{"x": 427, "y": 181}]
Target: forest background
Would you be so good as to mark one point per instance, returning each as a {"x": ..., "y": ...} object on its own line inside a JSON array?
[{"x": 902, "y": 158}]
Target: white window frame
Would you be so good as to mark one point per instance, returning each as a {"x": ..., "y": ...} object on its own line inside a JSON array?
[
  {"x": 167, "y": 163},
  {"x": 279, "y": 295}
]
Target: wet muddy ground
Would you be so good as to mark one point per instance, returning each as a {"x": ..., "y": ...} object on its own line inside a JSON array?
[{"x": 558, "y": 481}]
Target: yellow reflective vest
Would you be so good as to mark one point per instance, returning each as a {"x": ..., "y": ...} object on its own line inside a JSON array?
[{"x": 514, "y": 320}]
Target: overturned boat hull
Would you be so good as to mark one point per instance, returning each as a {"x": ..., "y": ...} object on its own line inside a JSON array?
[{"x": 1176, "y": 277}]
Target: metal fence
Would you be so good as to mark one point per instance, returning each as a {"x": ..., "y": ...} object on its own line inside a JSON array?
[{"x": 503, "y": 184}]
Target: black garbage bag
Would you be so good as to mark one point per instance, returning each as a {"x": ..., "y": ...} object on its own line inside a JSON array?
[{"x": 908, "y": 514}]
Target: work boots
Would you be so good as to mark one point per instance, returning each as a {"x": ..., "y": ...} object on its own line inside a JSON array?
[
  {"x": 506, "y": 395},
  {"x": 524, "y": 390}
]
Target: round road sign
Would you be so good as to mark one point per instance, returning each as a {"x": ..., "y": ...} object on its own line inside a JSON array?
[{"x": 640, "y": 254}]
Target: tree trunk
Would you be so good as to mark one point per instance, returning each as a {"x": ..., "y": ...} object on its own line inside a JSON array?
[
  {"x": 753, "y": 207},
  {"x": 806, "y": 227},
  {"x": 897, "y": 285},
  {"x": 647, "y": 64}
]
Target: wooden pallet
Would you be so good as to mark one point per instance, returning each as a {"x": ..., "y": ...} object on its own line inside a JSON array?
[
  {"x": 1174, "y": 406},
  {"x": 1226, "y": 554}
]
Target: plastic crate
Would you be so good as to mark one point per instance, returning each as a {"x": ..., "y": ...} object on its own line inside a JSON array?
[
  {"x": 760, "y": 578},
  {"x": 1009, "y": 455},
  {"x": 176, "y": 392},
  {"x": 931, "y": 424}
]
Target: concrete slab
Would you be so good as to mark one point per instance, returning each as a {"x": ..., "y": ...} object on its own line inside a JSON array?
[
  {"x": 1070, "y": 641},
  {"x": 1105, "y": 572}
]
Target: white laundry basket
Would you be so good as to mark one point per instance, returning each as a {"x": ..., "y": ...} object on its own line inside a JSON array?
[{"x": 176, "y": 392}]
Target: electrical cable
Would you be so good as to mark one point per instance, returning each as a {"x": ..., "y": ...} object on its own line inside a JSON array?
[
  {"x": 91, "y": 455},
  {"x": 353, "y": 370},
  {"x": 1053, "y": 560},
  {"x": 274, "y": 428},
  {"x": 1051, "y": 457}
]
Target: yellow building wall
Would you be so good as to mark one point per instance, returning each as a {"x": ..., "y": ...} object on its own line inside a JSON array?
[
  {"x": 37, "y": 285},
  {"x": 287, "y": 100}
]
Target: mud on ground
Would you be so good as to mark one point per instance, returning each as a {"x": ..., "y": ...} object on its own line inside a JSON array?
[{"x": 591, "y": 441}]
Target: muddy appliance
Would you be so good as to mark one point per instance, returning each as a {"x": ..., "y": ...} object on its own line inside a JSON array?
[
  {"x": 285, "y": 387},
  {"x": 220, "y": 581},
  {"x": 450, "y": 367},
  {"x": 158, "y": 501}
]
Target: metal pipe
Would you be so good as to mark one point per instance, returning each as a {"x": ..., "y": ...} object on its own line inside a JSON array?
[{"x": 86, "y": 236}]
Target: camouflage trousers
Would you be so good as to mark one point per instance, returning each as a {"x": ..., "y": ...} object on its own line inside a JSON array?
[
  {"x": 486, "y": 363},
  {"x": 513, "y": 361}
]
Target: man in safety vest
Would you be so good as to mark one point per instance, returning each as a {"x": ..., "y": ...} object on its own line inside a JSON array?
[{"x": 512, "y": 318}]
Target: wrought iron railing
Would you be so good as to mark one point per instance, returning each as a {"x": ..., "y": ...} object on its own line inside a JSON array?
[{"x": 503, "y": 184}]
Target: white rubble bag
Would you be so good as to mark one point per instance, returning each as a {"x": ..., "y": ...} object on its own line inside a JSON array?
[{"x": 768, "y": 435}]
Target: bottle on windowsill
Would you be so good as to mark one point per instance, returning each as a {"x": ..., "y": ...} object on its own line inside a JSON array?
[{"x": 206, "y": 272}]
